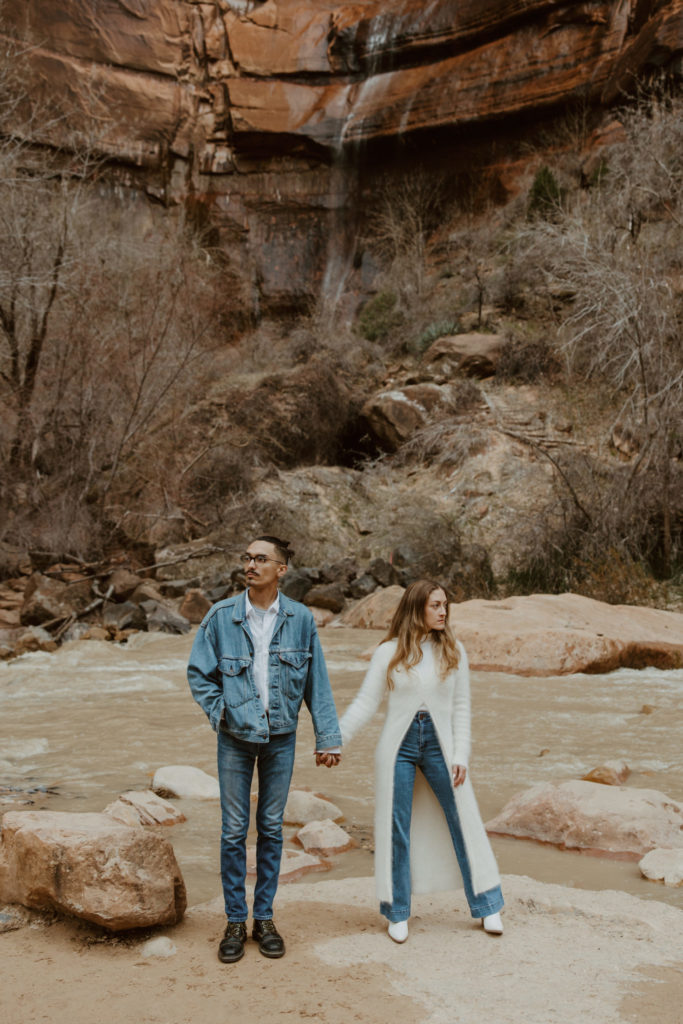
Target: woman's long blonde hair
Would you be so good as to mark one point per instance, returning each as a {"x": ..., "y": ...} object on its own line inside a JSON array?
[{"x": 408, "y": 627}]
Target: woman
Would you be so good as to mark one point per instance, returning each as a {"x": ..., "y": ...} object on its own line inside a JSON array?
[{"x": 427, "y": 824}]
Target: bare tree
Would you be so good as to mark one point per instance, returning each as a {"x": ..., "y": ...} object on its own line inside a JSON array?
[
  {"x": 400, "y": 228},
  {"x": 617, "y": 250}
]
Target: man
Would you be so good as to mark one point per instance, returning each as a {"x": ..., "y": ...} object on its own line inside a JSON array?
[{"x": 255, "y": 659}]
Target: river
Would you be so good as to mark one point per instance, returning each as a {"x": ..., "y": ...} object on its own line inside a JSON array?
[{"x": 95, "y": 719}]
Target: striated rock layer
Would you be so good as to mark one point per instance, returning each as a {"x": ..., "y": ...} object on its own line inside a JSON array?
[{"x": 246, "y": 107}]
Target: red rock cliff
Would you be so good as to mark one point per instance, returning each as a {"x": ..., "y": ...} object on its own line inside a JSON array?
[{"x": 248, "y": 107}]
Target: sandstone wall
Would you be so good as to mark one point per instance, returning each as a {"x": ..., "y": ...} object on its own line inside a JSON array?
[{"x": 247, "y": 108}]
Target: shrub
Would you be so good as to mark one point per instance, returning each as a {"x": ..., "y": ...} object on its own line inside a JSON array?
[
  {"x": 438, "y": 329},
  {"x": 545, "y": 195},
  {"x": 524, "y": 362},
  {"x": 379, "y": 317}
]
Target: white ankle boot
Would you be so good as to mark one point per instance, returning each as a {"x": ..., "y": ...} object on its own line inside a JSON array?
[
  {"x": 492, "y": 924},
  {"x": 398, "y": 930}
]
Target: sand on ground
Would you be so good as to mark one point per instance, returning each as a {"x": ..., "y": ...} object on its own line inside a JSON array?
[{"x": 567, "y": 954}]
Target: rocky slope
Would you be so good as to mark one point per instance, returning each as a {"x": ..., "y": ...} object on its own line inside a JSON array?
[{"x": 262, "y": 114}]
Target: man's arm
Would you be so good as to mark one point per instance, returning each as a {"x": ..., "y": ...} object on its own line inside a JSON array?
[
  {"x": 320, "y": 702},
  {"x": 203, "y": 676}
]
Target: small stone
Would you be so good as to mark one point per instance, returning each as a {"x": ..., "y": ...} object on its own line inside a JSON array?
[
  {"x": 611, "y": 773},
  {"x": 303, "y": 806},
  {"x": 324, "y": 837},
  {"x": 184, "y": 780},
  {"x": 663, "y": 865},
  {"x": 160, "y": 946},
  {"x": 148, "y": 807},
  {"x": 96, "y": 633}
]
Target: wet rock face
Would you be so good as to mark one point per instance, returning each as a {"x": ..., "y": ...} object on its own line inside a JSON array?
[{"x": 245, "y": 105}]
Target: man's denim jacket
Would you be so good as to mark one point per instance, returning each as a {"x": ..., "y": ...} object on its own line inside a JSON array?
[{"x": 221, "y": 677}]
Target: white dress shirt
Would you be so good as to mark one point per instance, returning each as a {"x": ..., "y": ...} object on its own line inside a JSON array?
[{"x": 261, "y": 624}]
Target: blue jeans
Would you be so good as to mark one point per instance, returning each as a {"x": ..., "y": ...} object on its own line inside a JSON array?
[
  {"x": 274, "y": 763},
  {"x": 420, "y": 749}
]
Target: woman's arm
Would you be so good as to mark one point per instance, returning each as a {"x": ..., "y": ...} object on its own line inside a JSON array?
[
  {"x": 461, "y": 712},
  {"x": 369, "y": 697}
]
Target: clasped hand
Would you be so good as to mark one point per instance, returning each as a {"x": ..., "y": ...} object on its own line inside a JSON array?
[{"x": 329, "y": 760}]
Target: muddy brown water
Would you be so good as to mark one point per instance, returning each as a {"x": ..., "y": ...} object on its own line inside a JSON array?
[{"x": 95, "y": 719}]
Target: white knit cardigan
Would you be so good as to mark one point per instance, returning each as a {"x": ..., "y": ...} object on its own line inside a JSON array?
[{"x": 433, "y": 863}]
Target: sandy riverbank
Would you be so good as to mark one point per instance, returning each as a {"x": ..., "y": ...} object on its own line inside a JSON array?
[{"x": 606, "y": 957}]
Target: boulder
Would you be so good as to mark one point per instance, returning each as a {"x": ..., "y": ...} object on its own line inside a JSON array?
[
  {"x": 91, "y": 867},
  {"x": 10, "y": 618},
  {"x": 146, "y": 590},
  {"x": 123, "y": 583},
  {"x": 474, "y": 355},
  {"x": 580, "y": 815},
  {"x": 321, "y": 616},
  {"x": 294, "y": 864},
  {"x": 178, "y": 588},
  {"x": 297, "y": 582},
  {"x": 384, "y": 572},
  {"x": 557, "y": 634},
  {"x": 611, "y": 773},
  {"x": 375, "y": 611},
  {"x": 663, "y": 866},
  {"x": 46, "y": 599},
  {"x": 148, "y": 808},
  {"x": 11, "y": 600},
  {"x": 394, "y": 416},
  {"x": 195, "y": 605},
  {"x": 362, "y": 586},
  {"x": 324, "y": 837},
  {"x": 95, "y": 633},
  {"x": 126, "y": 615},
  {"x": 78, "y": 631},
  {"x": 303, "y": 806},
  {"x": 15, "y": 642},
  {"x": 184, "y": 780},
  {"x": 326, "y": 595},
  {"x": 162, "y": 619}
]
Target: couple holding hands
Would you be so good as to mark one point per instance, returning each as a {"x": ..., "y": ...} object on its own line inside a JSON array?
[{"x": 255, "y": 659}]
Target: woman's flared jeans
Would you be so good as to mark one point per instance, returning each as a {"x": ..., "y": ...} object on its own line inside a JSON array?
[{"x": 421, "y": 749}]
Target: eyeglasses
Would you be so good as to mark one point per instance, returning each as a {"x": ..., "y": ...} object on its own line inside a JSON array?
[{"x": 246, "y": 558}]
